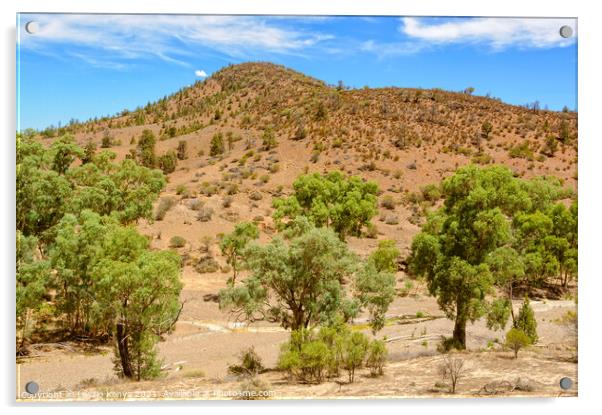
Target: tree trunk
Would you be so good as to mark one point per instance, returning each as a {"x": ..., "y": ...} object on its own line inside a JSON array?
[
  {"x": 460, "y": 332},
  {"x": 124, "y": 353}
]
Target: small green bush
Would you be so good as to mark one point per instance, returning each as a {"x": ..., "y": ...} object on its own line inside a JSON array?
[
  {"x": 377, "y": 357},
  {"x": 517, "y": 339},
  {"x": 526, "y": 321}
]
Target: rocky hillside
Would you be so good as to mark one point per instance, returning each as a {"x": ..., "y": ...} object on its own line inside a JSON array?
[{"x": 404, "y": 139}]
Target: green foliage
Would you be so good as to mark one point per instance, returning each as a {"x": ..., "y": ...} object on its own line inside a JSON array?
[
  {"x": 355, "y": 348},
  {"x": 32, "y": 279},
  {"x": 217, "y": 146},
  {"x": 385, "y": 256},
  {"x": 145, "y": 150},
  {"x": 233, "y": 244},
  {"x": 167, "y": 162},
  {"x": 431, "y": 193},
  {"x": 452, "y": 247},
  {"x": 64, "y": 151},
  {"x": 312, "y": 356},
  {"x": 138, "y": 293},
  {"x": 377, "y": 357},
  {"x": 376, "y": 291},
  {"x": 73, "y": 256},
  {"x": 526, "y": 321},
  {"x": 336, "y": 201},
  {"x": 522, "y": 151},
  {"x": 71, "y": 243},
  {"x": 517, "y": 339},
  {"x": 299, "y": 282},
  {"x": 269, "y": 139},
  {"x": 492, "y": 229},
  {"x": 89, "y": 152},
  {"x": 486, "y": 129}
]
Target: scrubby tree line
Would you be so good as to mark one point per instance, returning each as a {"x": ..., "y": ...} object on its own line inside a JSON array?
[
  {"x": 83, "y": 270},
  {"x": 495, "y": 233}
]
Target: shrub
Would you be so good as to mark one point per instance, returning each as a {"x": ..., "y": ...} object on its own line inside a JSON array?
[
  {"x": 205, "y": 214},
  {"x": 182, "y": 150},
  {"x": 388, "y": 202},
  {"x": 165, "y": 204},
  {"x": 482, "y": 158},
  {"x": 250, "y": 364},
  {"x": 107, "y": 140},
  {"x": 227, "y": 201},
  {"x": 206, "y": 264},
  {"x": 177, "y": 242},
  {"x": 391, "y": 219},
  {"x": 431, "y": 192},
  {"x": 517, "y": 339},
  {"x": 354, "y": 351},
  {"x": 377, "y": 357},
  {"x": 217, "y": 145},
  {"x": 255, "y": 195},
  {"x": 521, "y": 151},
  {"x": 268, "y": 139},
  {"x": 452, "y": 369},
  {"x": 168, "y": 162},
  {"x": 526, "y": 321},
  {"x": 486, "y": 129},
  {"x": 181, "y": 189},
  {"x": 385, "y": 256},
  {"x": 196, "y": 204}
]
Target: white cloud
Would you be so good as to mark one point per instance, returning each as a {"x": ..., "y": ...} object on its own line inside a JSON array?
[
  {"x": 497, "y": 33},
  {"x": 169, "y": 37},
  {"x": 200, "y": 73}
]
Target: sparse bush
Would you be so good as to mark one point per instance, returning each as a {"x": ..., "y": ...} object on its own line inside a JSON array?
[
  {"x": 205, "y": 214},
  {"x": 165, "y": 204},
  {"x": 255, "y": 195},
  {"x": 391, "y": 219},
  {"x": 227, "y": 201},
  {"x": 206, "y": 264},
  {"x": 177, "y": 242},
  {"x": 388, "y": 202},
  {"x": 182, "y": 150},
  {"x": 377, "y": 357},
  {"x": 196, "y": 204},
  {"x": 250, "y": 364},
  {"x": 452, "y": 370}
]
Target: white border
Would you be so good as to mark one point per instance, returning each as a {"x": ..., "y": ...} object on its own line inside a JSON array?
[{"x": 590, "y": 157}]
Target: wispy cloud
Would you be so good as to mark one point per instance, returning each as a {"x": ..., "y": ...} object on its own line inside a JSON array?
[
  {"x": 497, "y": 33},
  {"x": 170, "y": 38}
]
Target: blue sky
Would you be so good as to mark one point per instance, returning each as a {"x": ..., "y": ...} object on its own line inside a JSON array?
[{"x": 82, "y": 66}]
